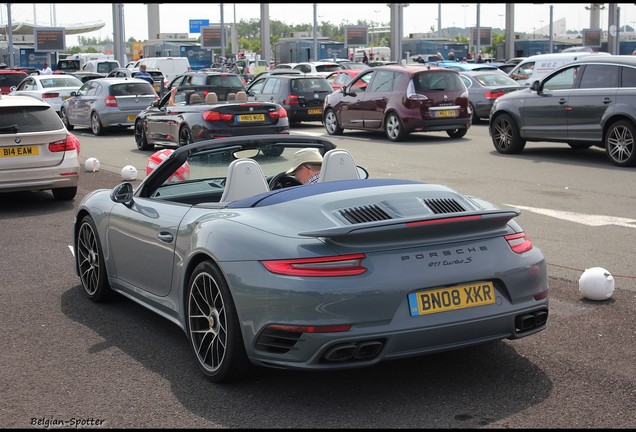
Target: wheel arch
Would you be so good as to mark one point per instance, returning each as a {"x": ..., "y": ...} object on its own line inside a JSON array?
[{"x": 613, "y": 119}]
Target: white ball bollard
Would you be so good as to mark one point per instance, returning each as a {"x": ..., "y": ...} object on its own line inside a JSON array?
[
  {"x": 596, "y": 283},
  {"x": 91, "y": 164},
  {"x": 129, "y": 172}
]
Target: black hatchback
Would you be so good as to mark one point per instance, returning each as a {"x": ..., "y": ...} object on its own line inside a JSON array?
[{"x": 301, "y": 95}]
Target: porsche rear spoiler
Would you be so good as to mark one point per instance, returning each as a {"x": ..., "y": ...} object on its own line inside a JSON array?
[{"x": 468, "y": 224}]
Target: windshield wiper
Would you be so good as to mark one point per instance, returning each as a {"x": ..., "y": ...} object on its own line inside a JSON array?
[{"x": 9, "y": 129}]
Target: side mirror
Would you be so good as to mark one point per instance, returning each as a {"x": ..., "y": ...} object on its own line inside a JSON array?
[
  {"x": 122, "y": 194},
  {"x": 536, "y": 86}
]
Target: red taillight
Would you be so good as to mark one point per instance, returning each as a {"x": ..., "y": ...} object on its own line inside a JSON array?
[
  {"x": 493, "y": 94},
  {"x": 278, "y": 114},
  {"x": 111, "y": 101},
  {"x": 345, "y": 265},
  {"x": 50, "y": 95},
  {"x": 217, "y": 116},
  {"x": 69, "y": 143},
  {"x": 519, "y": 243},
  {"x": 292, "y": 99},
  {"x": 310, "y": 329}
]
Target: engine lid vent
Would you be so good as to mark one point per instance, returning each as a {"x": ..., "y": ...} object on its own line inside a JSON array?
[
  {"x": 444, "y": 205},
  {"x": 363, "y": 214}
]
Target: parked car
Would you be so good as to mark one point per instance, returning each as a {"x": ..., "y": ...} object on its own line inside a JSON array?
[
  {"x": 400, "y": 100},
  {"x": 285, "y": 65},
  {"x": 159, "y": 81},
  {"x": 10, "y": 78},
  {"x": 588, "y": 102},
  {"x": 483, "y": 88},
  {"x": 68, "y": 65},
  {"x": 194, "y": 119},
  {"x": 321, "y": 277},
  {"x": 338, "y": 79},
  {"x": 318, "y": 68},
  {"x": 37, "y": 153},
  {"x": 301, "y": 95},
  {"x": 221, "y": 83},
  {"x": 105, "y": 103},
  {"x": 52, "y": 89}
]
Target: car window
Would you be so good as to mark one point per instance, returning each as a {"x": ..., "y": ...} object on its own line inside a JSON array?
[
  {"x": 271, "y": 86},
  {"x": 359, "y": 85},
  {"x": 468, "y": 82},
  {"x": 437, "y": 81},
  {"x": 384, "y": 81},
  {"x": 257, "y": 87},
  {"x": 629, "y": 77},
  {"x": 599, "y": 76},
  {"x": 29, "y": 119},
  {"x": 10, "y": 80},
  {"x": 493, "y": 80},
  {"x": 93, "y": 89},
  {"x": 328, "y": 68},
  {"x": 563, "y": 80},
  {"x": 310, "y": 85},
  {"x": 303, "y": 68},
  {"x": 131, "y": 89},
  {"x": 231, "y": 81}
]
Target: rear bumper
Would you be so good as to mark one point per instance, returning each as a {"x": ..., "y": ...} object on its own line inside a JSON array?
[{"x": 38, "y": 179}]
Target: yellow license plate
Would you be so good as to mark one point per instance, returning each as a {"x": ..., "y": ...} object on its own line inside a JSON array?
[
  {"x": 251, "y": 117},
  {"x": 66, "y": 97},
  {"x": 452, "y": 298},
  {"x": 157, "y": 88},
  {"x": 444, "y": 113},
  {"x": 132, "y": 117},
  {"x": 19, "y": 151},
  {"x": 315, "y": 111}
]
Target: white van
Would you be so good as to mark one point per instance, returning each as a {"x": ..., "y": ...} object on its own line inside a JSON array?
[
  {"x": 537, "y": 66},
  {"x": 170, "y": 66}
]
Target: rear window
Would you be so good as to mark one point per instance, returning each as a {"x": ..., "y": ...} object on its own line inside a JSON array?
[
  {"x": 11, "y": 79},
  {"x": 105, "y": 67},
  {"x": 437, "y": 81},
  {"x": 232, "y": 81},
  {"x": 310, "y": 85},
  {"x": 64, "y": 65},
  {"x": 328, "y": 68},
  {"x": 60, "y": 81},
  {"x": 29, "y": 119},
  {"x": 493, "y": 80},
  {"x": 132, "y": 89}
]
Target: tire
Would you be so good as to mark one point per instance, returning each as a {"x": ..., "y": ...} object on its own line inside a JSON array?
[
  {"x": 68, "y": 126},
  {"x": 140, "y": 137},
  {"x": 505, "y": 135},
  {"x": 393, "y": 128},
  {"x": 96, "y": 125},
  {"x": 185, "y": 136},
  {"x": 474, "y": 119},
  {"x": 64, "y": 194},
  {"x": 457, "y": 133},
  {"x": 90, "y": 261},
  {"x": 213, "y": 326},
  {"x": 620, "y": 143},
  {"x": 331, "y": 123}
]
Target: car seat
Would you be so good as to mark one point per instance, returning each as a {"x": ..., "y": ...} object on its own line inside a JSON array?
[
  {"x": 211, "y": 98},
  {"x": 245, "y": 178},
  {"x": 338, "y": 164},
  {"x": 241, "y": 96},
  {"x": 195, "y": 99}
]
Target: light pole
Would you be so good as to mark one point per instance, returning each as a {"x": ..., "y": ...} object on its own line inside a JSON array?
[
  {"x": 501, "y": 21},
  {"x": 465, "y": 6}
]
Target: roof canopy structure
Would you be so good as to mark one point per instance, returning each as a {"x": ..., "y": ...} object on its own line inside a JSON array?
[{"x": 26, "y": 28}]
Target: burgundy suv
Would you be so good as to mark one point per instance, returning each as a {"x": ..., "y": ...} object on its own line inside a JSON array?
[
  {"x": 399, "y": 100},
  {"x": 10, "y": 78}
]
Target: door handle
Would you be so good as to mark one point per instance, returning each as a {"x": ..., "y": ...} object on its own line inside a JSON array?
[
  {"x": 165, "y": 237},
  {"x": 607, "y": 100}
]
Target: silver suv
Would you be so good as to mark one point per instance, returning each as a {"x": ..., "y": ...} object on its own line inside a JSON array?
[{"x": 589, "y": 102}]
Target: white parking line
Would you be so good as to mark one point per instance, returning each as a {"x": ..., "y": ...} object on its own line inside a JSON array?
[{"x": 585, "y": 219}]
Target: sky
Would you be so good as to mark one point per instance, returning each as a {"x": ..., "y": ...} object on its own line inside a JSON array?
[{"x": 418, "y": 17}]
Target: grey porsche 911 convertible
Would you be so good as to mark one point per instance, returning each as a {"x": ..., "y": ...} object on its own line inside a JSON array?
[{"x": 260, "y": 271}]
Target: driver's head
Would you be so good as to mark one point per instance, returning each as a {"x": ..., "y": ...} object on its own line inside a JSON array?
[{"x": 306, "y": 165}]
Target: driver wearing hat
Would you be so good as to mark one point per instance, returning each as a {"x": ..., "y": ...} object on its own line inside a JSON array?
[{"x": 306, "y": 165}]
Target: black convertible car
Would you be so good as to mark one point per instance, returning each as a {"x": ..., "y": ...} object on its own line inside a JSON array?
[{"x": 195, "y": 118}]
